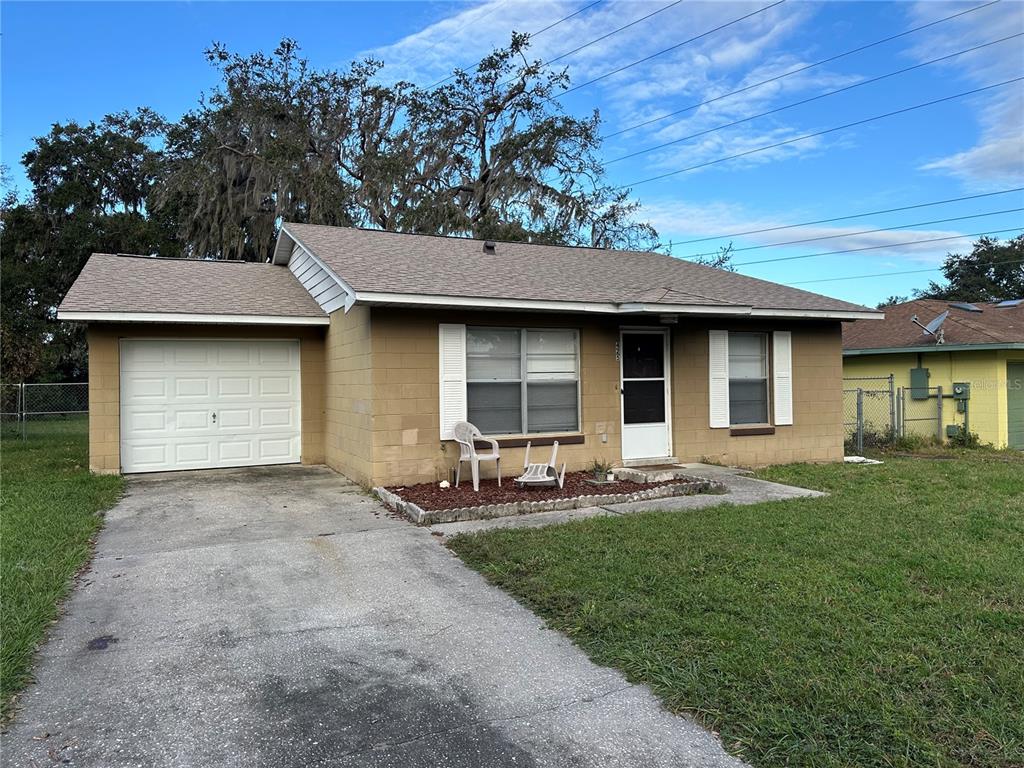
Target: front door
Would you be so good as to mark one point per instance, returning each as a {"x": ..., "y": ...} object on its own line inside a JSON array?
[{"x": 645, "y": 409}]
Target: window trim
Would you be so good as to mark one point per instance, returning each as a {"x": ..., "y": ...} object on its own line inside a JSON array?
[
  {"x": 523, "y": 381},
  {"x": 769, "y": 378}
]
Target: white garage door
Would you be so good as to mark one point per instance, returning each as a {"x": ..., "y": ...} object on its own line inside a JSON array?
[{"x": 203, "y": 404}]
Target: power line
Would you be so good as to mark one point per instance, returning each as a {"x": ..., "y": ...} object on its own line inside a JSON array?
[
  {"x": 861, "y": 232},
  {"x": 874, "y": 247},
  {"x": 819, "y": 133},
  {"x": 797, "y": 70},
  {"x": 843, "y": 218},
  {"x": 888, "y": 274},
  {"x": 532, "y": 35},
  {"x": 810, "y": 99},
  {"x": 540, "y": 32},
  {"x": 613, "y": 32},
  {"x": 670, "y": 48}
]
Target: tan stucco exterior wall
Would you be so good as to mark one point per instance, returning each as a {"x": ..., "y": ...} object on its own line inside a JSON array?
[
  {"x": 406, "y": 418},
  {"x": 817, "y": 431},
  {"x": 105, "y": 381},
  {"x": 403, "y": 437},
  {"x": 349, "y": 381}
]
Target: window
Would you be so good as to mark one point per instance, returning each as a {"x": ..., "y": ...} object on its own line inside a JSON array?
[
  {"x": 521, "y": 381},
  {"x": 748, "y": 378}
]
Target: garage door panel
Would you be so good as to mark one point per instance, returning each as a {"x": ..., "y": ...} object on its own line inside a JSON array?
[
  {"x": 276, "y": 386},
  {"x": 235, "y": 450},
  {"x": 141, "y": 421},
  {"x": 190, "y": 388},
  {"x": 275, "y": 449},
  {"x": 277, "y": 418},
  {"x": 145, "y": 457},
  {"x": 173, "y": 389},
  {"x": 140, "y": 389}
]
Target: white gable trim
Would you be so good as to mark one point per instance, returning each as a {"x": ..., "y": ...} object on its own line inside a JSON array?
[{"x": 316, "y": 277}]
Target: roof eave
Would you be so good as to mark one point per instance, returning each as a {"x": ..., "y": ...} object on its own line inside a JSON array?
[
  {"x": 934, "y": 348},
  {"x": 188, "y": 318},
  {"x": 606, "y": 308}
]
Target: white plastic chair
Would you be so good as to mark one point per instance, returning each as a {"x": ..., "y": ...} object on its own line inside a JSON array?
[
  {"x": 541, "y": 474},
  {"x": 466, "y": 435}
]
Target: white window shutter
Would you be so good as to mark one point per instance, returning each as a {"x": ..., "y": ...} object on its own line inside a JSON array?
[
  {"x": 451, "y": 344},
  {"x": 718, "y": 372},
  {"x": 782, "y": 376}
]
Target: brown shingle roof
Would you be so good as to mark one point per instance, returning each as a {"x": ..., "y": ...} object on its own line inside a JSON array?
[
  {"x": 120, "y": 283},
  {"x": 386, "y": 262},
  {"x": 992, "y": 325}
]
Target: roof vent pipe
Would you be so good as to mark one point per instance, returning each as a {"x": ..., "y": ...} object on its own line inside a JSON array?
[{"x": 489, "y": 246}]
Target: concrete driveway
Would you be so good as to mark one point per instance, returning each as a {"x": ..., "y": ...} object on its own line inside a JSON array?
[{"x": 277, "y": 617}]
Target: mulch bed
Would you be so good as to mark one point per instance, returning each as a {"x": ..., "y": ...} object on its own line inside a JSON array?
[{"x": 429, "y": 496}]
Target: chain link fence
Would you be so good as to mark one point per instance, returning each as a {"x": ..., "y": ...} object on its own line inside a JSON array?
[
  {"x": 869, "y": 412},
  {"x": 31, "y": 410},
  {"x": 877, "y": 413}
]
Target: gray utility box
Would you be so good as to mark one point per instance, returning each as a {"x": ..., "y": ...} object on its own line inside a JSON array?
[
  {"x": 919, "y": 383},
  {"x": 961, "y": 390}
]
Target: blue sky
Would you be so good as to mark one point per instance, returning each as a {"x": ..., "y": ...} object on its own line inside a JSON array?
[{"x": 103, "y": 57}]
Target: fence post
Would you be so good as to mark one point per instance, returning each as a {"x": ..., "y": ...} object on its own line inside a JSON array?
[
  {"x": 860, "y": 421},
  {"x": 22, "y": 409},
  {"x": 892, "y": 406},
  {"x": 899, "y": 411},
  {"x": 939, "y": 409}
]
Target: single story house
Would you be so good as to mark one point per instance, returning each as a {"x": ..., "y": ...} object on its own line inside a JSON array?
[
  {"x": 981, "y": 345},
  {"x": 360, "y": 349}
]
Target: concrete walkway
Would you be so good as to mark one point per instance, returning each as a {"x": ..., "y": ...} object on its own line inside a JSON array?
[
  {"x": 279, "y": 618},
  {"x": 741, "y": 489}
]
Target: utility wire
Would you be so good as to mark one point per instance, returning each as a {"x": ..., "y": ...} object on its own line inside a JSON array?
[
  {"x": 874, "y": 247},
  {"x": 670, "y": 48},
  {"x": 532, "y": 35},
  {"x": 613, "y": 32},
  {"x": 540, "y": 32},
  {"x": 861, "y": 232},
  {"x": 843, "y": 218},
  {"x": 887, "y": 274},
  {"x": 804, "y": 68},
  {"x": 810, "y": 99},
  {"x": 820, "y": 133}
]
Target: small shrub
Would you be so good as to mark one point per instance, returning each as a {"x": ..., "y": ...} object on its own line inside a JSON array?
[
  {"x": 965, "y": 439},
  {"x": 600, "y": 468}
]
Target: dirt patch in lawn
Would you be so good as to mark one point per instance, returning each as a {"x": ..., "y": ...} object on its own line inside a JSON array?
[{"x": 430, "y": 496}]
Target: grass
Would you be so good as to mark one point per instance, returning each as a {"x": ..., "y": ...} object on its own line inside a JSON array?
[
  {"x": 880, "y": 626},
  {"x": 49, "y": 517}
]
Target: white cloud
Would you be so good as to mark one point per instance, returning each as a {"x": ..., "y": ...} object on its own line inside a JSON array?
[
  {"x": 997, "y": 156},
  {"x": 718, "y": 218}
]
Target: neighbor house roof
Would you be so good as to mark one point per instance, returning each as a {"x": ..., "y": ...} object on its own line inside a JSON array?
[
  {"x": 996, "y": 324},
  {"x": 145, "y": 288},
  {"x": 391, "y": 268}
]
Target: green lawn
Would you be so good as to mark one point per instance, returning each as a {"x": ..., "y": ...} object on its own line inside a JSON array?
[
  {"x": 49, "y": 516},
  {"x": 881, "y": 626}
]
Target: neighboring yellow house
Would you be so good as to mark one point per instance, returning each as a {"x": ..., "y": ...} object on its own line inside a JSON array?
[
  {"x": 981, "y": 345},
  {"x": 362, "y": 349}
]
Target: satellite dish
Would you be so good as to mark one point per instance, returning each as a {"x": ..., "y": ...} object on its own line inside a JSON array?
[{"x": 934, "y": 328}]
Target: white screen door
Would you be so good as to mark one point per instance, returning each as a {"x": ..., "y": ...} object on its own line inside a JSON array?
[{"x": 645, "y": 408}]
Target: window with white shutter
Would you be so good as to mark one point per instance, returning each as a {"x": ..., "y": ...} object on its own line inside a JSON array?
[
  {"x": 451, "y": 345},
  {"x": 782, "y": 376},
  {"x": 718, "y": 383}
]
